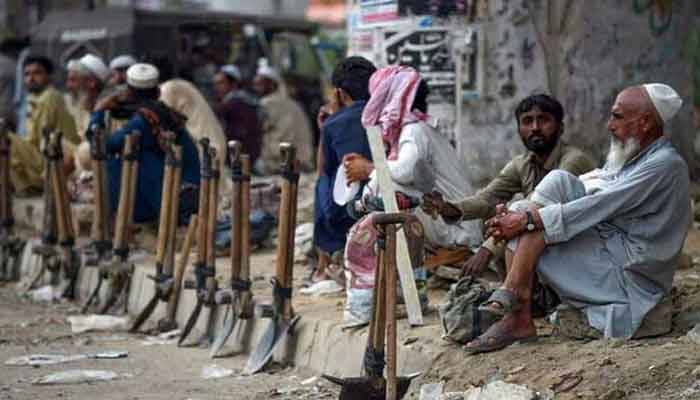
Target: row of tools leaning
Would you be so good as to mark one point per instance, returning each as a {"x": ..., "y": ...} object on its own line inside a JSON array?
[{"x": 61, "y": 262}]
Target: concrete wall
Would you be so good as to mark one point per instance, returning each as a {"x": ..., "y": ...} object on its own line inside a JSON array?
[{"x": 584, "y": 53}]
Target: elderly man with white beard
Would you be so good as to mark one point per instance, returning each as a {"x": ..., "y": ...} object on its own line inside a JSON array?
[{"x": 606, "y": 243}]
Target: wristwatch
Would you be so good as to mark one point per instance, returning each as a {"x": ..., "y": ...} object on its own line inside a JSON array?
[{"x": 530, "y": 226}]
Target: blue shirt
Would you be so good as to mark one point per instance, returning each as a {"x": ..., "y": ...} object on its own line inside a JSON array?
[
  {"x": 151, "y": 165},
  {"x": 343, "y": 133}
]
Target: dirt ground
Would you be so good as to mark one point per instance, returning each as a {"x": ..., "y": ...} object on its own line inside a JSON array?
[
  {"x": 148, "y": 372},
  {"x": 667, "y": 367}
]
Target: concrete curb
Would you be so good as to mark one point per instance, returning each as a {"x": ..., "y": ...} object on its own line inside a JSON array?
[{"x": 316, "y": 344}]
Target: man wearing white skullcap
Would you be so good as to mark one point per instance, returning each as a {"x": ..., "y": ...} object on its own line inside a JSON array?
[
  {"x": 151, "y": 118},
  {"x": 285, "y": 121},
  {"x": 94, "y": 79},
  {"x": 238, "y": 110},
  {"x": 118, "y": 66},
  {"x": 74, "y": 78},
  {"x": 609, "y": 252}
]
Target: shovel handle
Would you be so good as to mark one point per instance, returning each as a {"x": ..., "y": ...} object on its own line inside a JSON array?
[
  {"x": 211, "y": 229},
  {"x": 174, "y": 210},
  {"x": 181, "y": 266},
  {"x": 235, "y": 149},
  {"x": 293, "y": 194},
  {"x": 124, "y": 195},
  {"x": 164, "y": 218},
  {"x": 245, "y": 217},
  {"x": 5, "y": 197},
  {"x": 391, "y": 279},
  {"x": 236, "y": 210}
]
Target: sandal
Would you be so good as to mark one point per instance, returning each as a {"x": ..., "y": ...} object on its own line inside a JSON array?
[
  {"x": 496, "y": 340},
  {"x": 506, "y": 302}
]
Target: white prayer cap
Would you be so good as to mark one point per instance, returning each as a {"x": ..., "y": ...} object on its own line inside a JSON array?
[
  {"x": 269, "y": 72},
  {"x": 95, "y": 66},
  {"x": 142, "y": 76},
  {"x": 231, "y": 71},
  {"x": 122, "y": 62},
  {"x": 666, "y": 101},
  {"x": 75, "y": 66}
]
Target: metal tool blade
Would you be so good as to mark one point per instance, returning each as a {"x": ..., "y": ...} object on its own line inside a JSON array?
[
  {"x": 230, "y": 320},
  {"x": 93, "y": 295},
  {"x": 145, "y": 313},
  {"x": 191, "y": 321},
  {"x": 276, "y": 331}
]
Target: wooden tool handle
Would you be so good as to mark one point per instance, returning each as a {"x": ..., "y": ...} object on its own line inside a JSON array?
[
  {"x": 245, "y": 218},
  {"x": 391, "y": 279},
  {"x": 124, "y": 195},
  {"x": 164, "y": 217},
  {"x": 283, "y": 232},
  {"x": 181, "y": 266},
  {"x": 211, "y": 226},
  {"x": 205, "y": 176},
  {"x": 174, "y": 210},
  {"x": 5, "y": 154},
  {"x": 289, "y": 266},
  {"x": 236, "y": 209}
]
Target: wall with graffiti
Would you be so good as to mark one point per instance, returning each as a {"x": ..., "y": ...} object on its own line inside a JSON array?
[
  {"x": 583, "y": 52},
  {"x": 590, "y": 51}
]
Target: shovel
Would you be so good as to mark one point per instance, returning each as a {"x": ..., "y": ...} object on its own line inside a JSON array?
[
  {"x": 102, "y": 244},
  {"x": 281, "y": 313},
  {"x": 167, "y": 232},
  {"x": 118, "y": 270},
  {"x": 374, "y": 386},
  {"x": 238, "y": 298},
  {"x": 69, "y": 259},
  {"x": 10, "y": 245},
  {"x": 205, "y": 267},
  {"x": 47, "y": 248}
]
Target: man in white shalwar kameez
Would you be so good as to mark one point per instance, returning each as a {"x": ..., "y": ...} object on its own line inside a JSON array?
[{"x": 607, "y": 243}]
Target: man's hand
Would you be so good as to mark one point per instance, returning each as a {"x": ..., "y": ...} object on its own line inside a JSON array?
[
  {"x": 323, "y": 113},
  {"x": 357, "y": 168},
  {"x": 434, "y": 204},
  {"x": 476, "y": 264},
  {"x": 506, "y": 224},
  {"x": 110, "y": 102}
]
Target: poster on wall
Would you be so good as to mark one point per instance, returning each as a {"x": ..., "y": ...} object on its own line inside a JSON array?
[
  {"x": 441, "y": 8},
  {"x": 377, "y": 12},
  {"x": 361, "y": 42},
  {"x": 433, "y": 52}
]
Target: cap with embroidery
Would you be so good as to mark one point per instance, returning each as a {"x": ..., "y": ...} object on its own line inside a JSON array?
[
  {"x": 231, "y": 71},
  {"x": 94, "y": 65},
  {"x": 142, "y": 76},
  {"x": 122, "y": 62},
  {"x": 666, "y": 100}
]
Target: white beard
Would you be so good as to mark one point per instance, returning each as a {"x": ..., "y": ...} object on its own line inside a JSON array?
[{"x": 620, "y": 152}]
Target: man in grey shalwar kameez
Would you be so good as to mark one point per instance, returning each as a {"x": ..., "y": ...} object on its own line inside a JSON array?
[{"x": 607, "y": 243}]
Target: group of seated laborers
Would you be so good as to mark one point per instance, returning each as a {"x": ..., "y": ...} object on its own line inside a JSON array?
[
  {"x": 604, "y": 241},
  {"x": 127, "y": 96}
]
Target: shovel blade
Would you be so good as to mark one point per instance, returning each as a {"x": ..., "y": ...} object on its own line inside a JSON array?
[
  {"x": 93, "y": 296},
  {"x": 276, "y": 331},
  {"x": 145, "y": 313},
  {"x": 222, "y": 337},
  {"x": 190, "y": 322},
  {"x": 369, "y": 388}
]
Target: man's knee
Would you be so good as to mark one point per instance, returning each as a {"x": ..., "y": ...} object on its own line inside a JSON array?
[{"x": 558, "y": 187}]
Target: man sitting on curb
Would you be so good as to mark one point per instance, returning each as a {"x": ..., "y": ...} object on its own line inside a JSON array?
[
  {"x": 607, "y": 243},
  {"x": 540, "y": 120}
]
